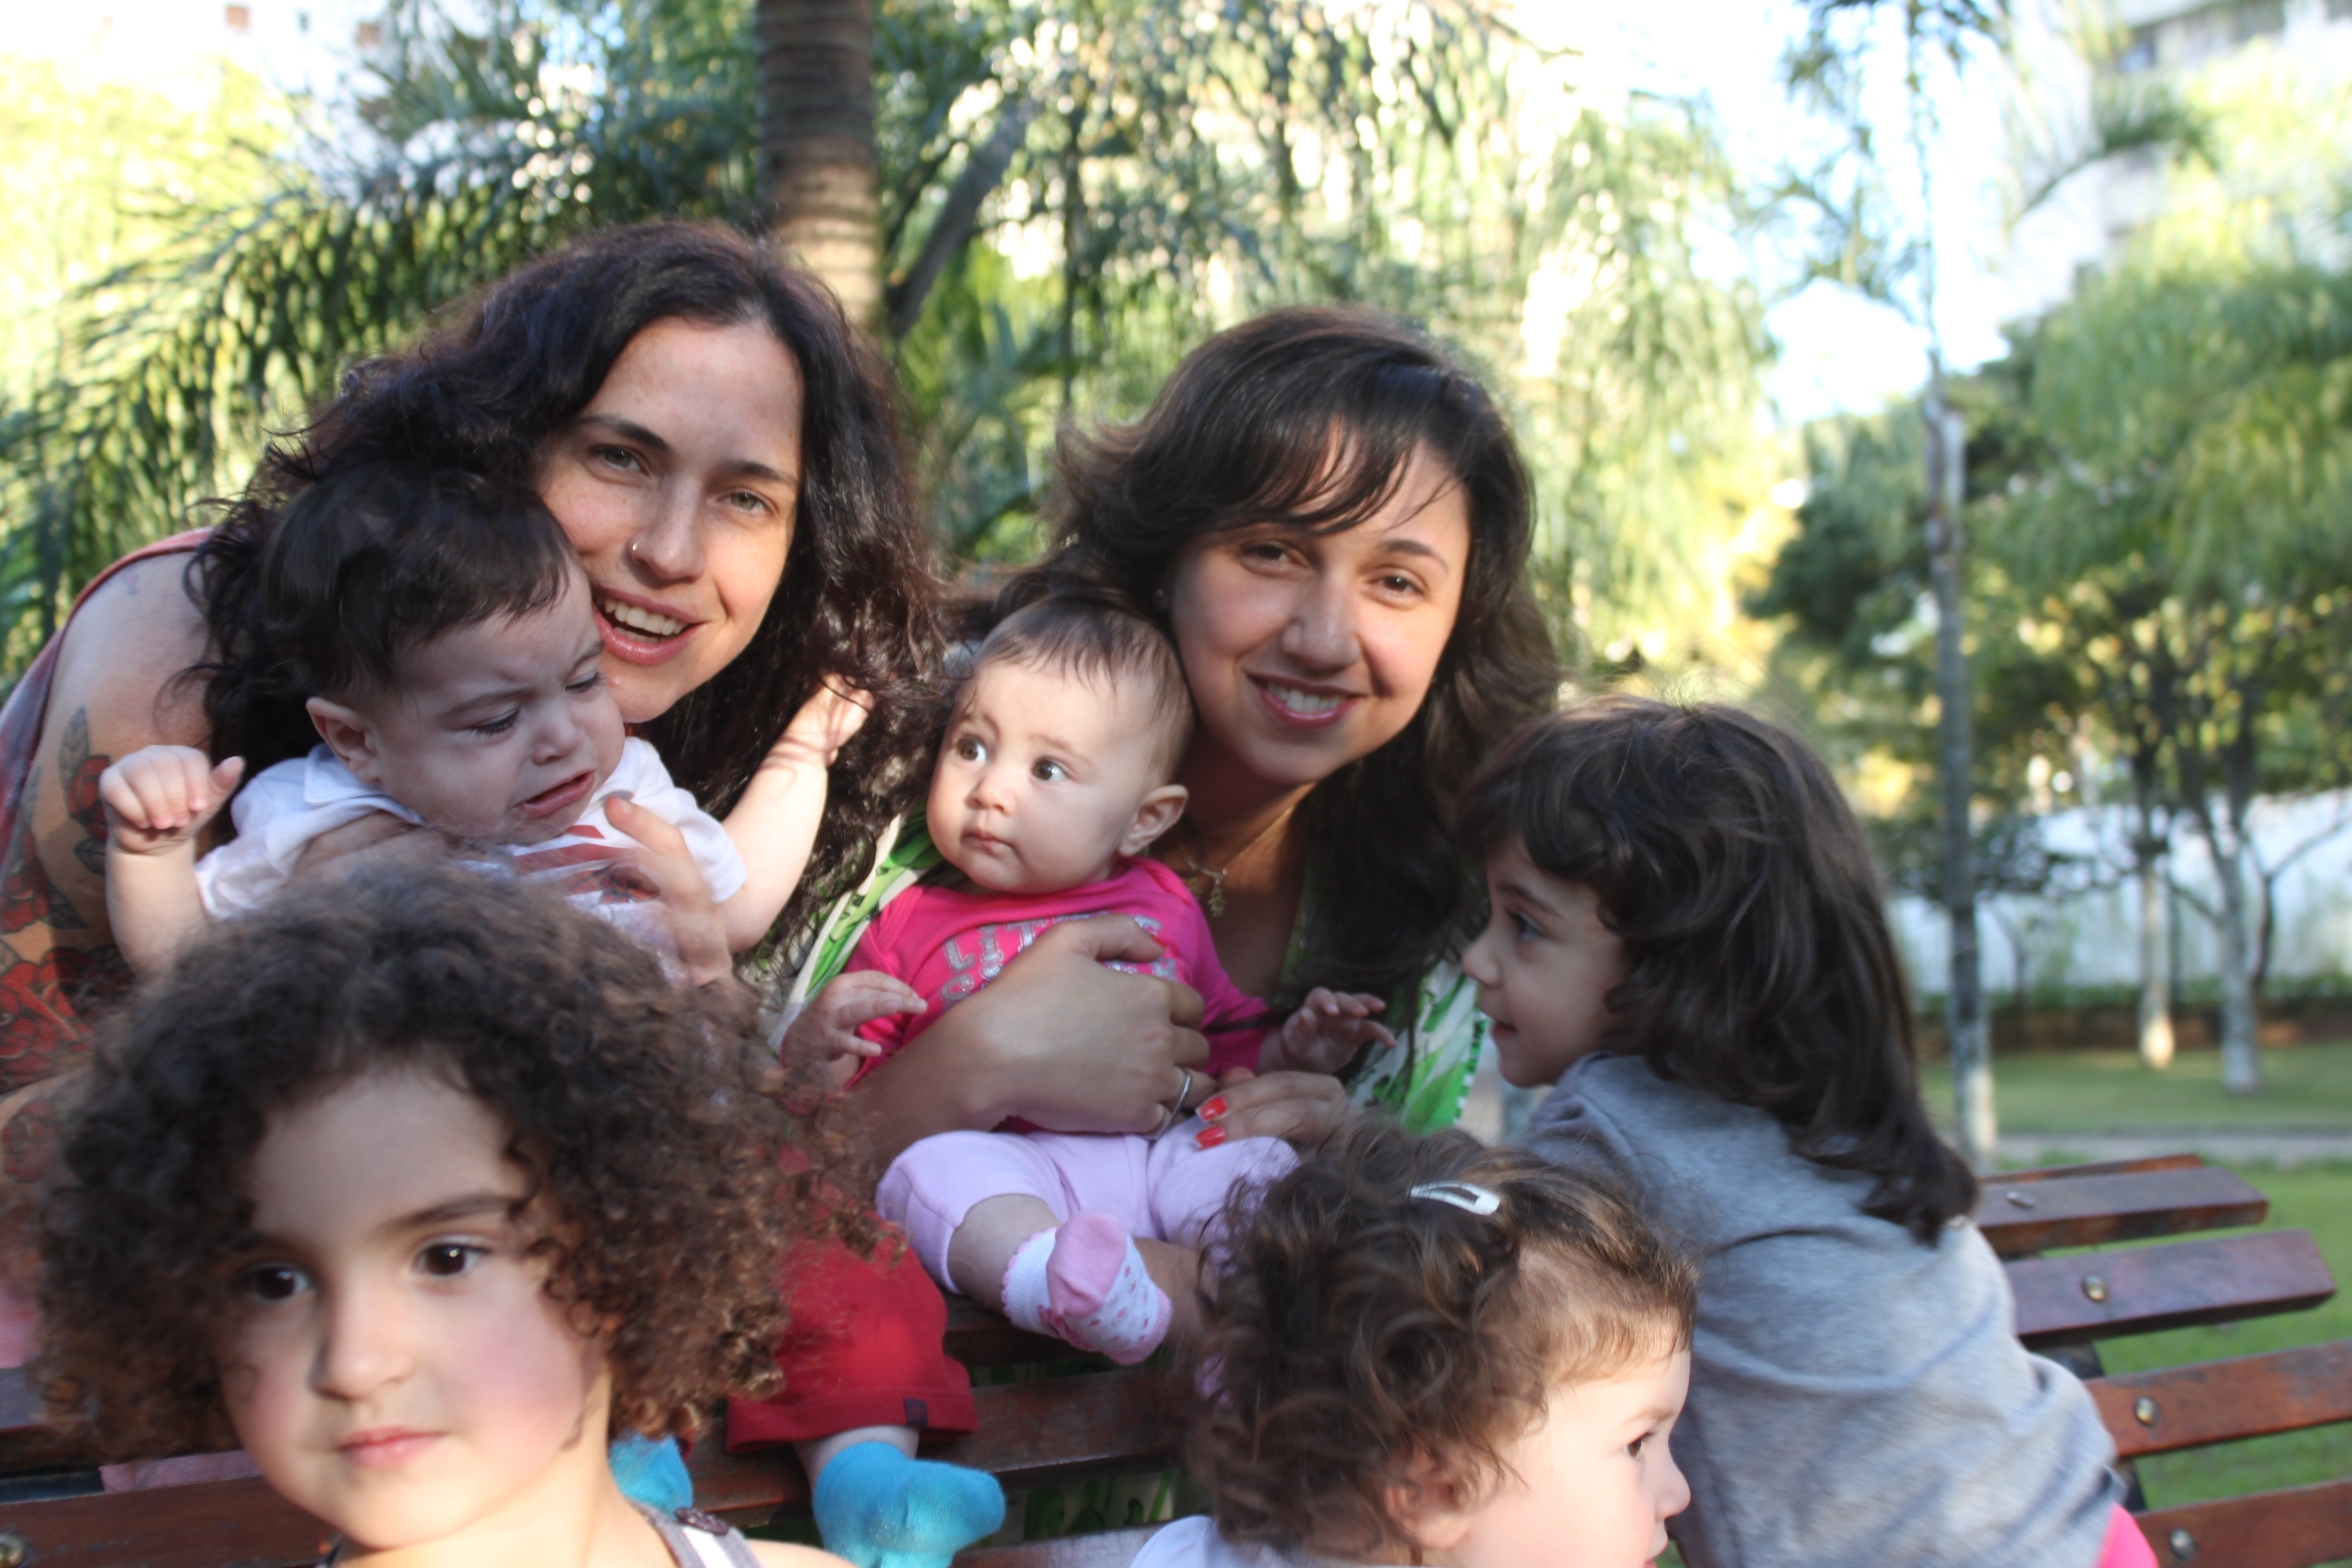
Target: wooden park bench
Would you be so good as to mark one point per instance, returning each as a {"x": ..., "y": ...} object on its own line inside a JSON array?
[{"x": 1070, "y": 1425}]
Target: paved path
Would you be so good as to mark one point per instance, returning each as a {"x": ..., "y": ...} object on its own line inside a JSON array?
[
  {"x": 1489, "y": 1113},
  {"x": 2283, "y": 1146}
]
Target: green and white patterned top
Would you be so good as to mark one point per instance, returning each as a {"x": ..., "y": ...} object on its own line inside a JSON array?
[{"x": 1422, "y": 1081}]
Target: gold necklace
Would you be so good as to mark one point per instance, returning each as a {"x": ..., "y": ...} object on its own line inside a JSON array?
[{"x": 1208, "y": 882}]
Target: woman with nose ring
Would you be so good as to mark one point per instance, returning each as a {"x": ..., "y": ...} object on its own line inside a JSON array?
[{"x": 717, "y": 444}]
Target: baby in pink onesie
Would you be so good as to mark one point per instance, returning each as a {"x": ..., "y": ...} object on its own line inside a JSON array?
[{"x": 1053, "y": 780}]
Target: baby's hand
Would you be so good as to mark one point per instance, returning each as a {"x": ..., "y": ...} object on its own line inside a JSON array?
[
  {"x": 829, "y": 1024},
  {"x": 159, "y": 797},
  {"x": 825, "y": 723},
  {"x": 1325, "y": 1033}
]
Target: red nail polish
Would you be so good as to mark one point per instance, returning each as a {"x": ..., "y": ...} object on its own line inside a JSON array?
[
  {"x": 1209, "y": 1137},
  {"x": 1212, "y": 1108}
]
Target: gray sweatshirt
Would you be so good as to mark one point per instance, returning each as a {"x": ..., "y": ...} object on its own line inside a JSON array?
[{"x": 1858, "y": 1399}]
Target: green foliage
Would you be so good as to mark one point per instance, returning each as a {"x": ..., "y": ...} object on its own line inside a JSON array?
[{"x": 1073, "y": 193}]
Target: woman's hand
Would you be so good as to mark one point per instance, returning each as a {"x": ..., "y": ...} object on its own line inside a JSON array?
[
  {"x": 1056, "y": 1039},
  {"x": 661, "y": 858},
  {"x": 377, "y": 839},
  {"x": 1305, "y": 1108}
]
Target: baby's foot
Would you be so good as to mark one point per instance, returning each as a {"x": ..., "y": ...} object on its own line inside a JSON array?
[
  {"x": 881, "y": 1509},
  {"x": 1086, "y": 1282}
]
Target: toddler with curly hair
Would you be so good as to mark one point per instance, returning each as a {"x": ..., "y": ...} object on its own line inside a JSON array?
[
  {"x": 418, "y": 1188},
  {"x": 1426, "y": 1350}
]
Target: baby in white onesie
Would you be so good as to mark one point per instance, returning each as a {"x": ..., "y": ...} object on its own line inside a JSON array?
[{"x": 439, "y": 630}]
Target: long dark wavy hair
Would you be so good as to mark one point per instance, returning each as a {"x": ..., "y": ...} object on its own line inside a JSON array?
[
  {"x": 859, "y": 602},
  {"x": 1759, "y": 964},
  {"x": 1244, "y": 433}
]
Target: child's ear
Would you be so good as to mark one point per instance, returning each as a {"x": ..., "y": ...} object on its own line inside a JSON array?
[
  {"x": 1427, "y": 1511},
  {"x": 1155, "y": 816},
  {"x": 349, "y": 736}
]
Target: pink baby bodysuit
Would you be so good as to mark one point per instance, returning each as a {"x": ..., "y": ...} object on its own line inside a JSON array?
[{"x": 949, "y": 942}]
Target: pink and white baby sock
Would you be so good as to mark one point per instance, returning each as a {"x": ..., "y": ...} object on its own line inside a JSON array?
[{"x": 1085, "y": 1282}]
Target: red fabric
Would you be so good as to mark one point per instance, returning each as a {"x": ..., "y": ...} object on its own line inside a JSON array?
[
  {"x": 863, "y": 1349},
  {"x": 950, "y": 942},
  {"x": 2126, "y": 1546}
]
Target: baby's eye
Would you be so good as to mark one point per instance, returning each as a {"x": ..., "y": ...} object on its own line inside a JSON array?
[
  {"x": 448, "y": 1259},
  {"x": 586, "y": 684},
  {"x": 969, "y": 749},
  {"x": 499, "y": 725},
  {"x": 272, "y": 1282},
  {"x": 1048, "y": 771},
  {"x": 1637, "y": 1445},
  {"x": 1523, "y": 928}
]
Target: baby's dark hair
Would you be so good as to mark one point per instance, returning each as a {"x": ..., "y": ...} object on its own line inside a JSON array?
[
  {"x": 1100, "y": 638},
  {"x": 381, "y": 556},
  {"x": 645, "y": 1117},
  {"x": 1759, "y": 964},
  {"x": 1358, "y": 1328}
]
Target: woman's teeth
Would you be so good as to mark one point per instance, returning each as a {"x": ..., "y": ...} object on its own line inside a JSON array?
[
  {"x": 1308, "y": 703},
  {"x": 650, "y": 622}
]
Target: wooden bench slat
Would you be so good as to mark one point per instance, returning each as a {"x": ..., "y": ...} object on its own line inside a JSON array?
[
  {"x": 27, "y": 1440},
  {"x": 2220, "y": 1401},
  {"x": 2083, "y": 1211},
  {"x": 1102, "y": 1549},
  {"x": 2074, "y": 1300},
  {"x": 2146, "y": 1162},
  {"x": 980, "y": 1338},
  {"x": 1054, "y": 1429},
  {"x": 213, "y": 1524},
  {"x": 2297, "y": 1528}
]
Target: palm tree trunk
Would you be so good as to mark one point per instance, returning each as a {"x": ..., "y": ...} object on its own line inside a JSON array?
[{"x": 818, "y": 163}]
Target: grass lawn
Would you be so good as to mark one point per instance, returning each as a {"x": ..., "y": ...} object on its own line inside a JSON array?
[{"x": 2304, "y": 1086}]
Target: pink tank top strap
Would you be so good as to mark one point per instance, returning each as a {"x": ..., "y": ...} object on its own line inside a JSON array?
[{"x": 28, "y": 703}]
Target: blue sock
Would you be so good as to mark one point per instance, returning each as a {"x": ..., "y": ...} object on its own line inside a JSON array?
[
  {"x": 652, "y": 1471},
  {"x": 880, "y": 1509}
]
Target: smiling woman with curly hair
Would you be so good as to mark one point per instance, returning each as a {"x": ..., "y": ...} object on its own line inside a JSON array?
[{"x": 416, "y": 1187}]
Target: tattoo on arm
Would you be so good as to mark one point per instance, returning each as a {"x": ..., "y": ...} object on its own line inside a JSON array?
[
  {"x": 80, "y": 771},
  {"x": 27, "y": 897}
]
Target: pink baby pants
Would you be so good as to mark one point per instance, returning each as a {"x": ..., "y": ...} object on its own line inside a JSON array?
[
  {"x": 1163, "y": 1189},
  {"x": 2126, "y": 1546}
]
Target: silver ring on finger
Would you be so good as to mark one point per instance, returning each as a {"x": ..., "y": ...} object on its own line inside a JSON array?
[{"x": 1184, "y": 1093}]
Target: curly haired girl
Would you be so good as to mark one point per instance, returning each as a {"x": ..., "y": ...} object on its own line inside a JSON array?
[
  {"x": 418, "y": 1187},
  {"x": 1430, "y": 1351}
]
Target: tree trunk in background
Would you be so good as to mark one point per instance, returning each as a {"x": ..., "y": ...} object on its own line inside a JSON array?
[
  {"x": 2241, "y": 1063},
  {"x": 2155, "y": 1020},
  {"x": 819, "y": 167},
  {"x": 1972, "y": 1063}
]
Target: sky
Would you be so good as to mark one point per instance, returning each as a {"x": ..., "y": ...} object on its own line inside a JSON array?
[{"x": 1837, "y": 353}]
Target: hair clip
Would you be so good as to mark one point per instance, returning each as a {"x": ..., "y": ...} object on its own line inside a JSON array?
[{"x": 1467, "y": 1196}]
